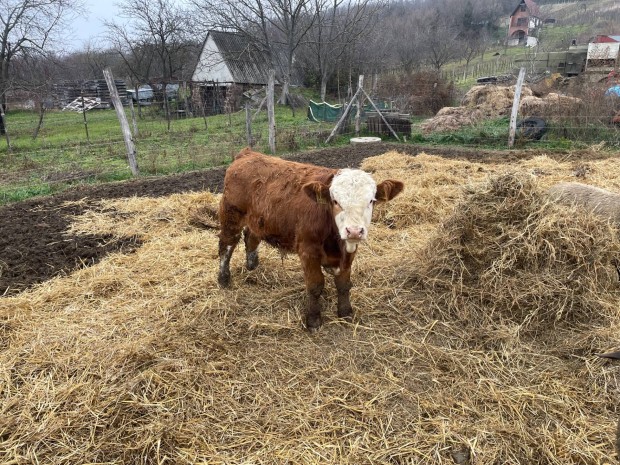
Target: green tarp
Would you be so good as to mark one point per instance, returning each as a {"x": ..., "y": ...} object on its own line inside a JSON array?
[{"x": 324, "y": 111}]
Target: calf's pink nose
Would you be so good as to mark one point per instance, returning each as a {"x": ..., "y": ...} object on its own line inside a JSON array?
[{"x": 354, "y": 232}]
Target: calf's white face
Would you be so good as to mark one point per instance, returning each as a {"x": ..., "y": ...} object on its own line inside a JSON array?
[{"x": 353, "y": 193}]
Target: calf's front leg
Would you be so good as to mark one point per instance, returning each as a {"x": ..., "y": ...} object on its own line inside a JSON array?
[{"x": 343, "y": 286}]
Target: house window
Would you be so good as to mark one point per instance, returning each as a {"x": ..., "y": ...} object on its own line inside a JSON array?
[
  {"x": 521, "y": 21},
  {"x": 522, "y": 7}
]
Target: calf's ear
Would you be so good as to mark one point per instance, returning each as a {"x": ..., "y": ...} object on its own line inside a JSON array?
[
  {"x": 317, "y": 191},
  {"x": 389, "y": 189}
]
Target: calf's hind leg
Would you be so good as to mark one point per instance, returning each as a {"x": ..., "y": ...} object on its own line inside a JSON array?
[
  {"x": 231, "y": 224},
  {"x": 251, "y": 249}
]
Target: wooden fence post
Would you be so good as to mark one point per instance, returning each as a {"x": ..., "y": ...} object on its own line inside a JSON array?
[
  {"x": 84, "y": 116},
  {"x": 344, "y": 115},
  {"x": 248, "y": 123},
  {"x": 271, "y": 112},
  {"x": 134, "y": 122},
  {"x": 360, "y": 100},
  {"x": 515, "y": 108},
  {"x": 5, "y": 129},
  {"x": 122, "y": 118}
]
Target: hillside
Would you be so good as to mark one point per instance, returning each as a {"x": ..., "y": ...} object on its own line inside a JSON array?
[{"x": 590, "y": 17}]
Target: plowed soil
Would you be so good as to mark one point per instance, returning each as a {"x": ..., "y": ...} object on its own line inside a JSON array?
[{"x": 35, "y": 246}]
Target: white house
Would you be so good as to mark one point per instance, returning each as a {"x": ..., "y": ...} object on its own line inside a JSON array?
[{"x": 229, "y": 58}]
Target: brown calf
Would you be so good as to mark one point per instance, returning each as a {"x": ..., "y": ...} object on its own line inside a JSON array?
[{"x": 322, "y": 214}]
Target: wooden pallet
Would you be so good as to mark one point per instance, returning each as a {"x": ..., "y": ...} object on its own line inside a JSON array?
[{"x": 82, "y": 104}]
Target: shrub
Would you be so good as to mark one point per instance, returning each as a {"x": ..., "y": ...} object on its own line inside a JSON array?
[{"x": 421, "y": 93}]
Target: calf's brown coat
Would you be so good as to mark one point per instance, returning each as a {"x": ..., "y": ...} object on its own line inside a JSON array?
[{"x": 288, "y": 205}]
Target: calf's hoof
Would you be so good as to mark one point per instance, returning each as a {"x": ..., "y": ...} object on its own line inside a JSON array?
[
  {"x": 313, "y": 323},
  {"x": 223, "y": 279},
  {"x": 251, "y": 261},
  {"x": 346, "y": 314}
]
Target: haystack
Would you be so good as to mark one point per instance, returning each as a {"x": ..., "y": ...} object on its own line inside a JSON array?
[
  {"x": 551, "y": 104},
  {"x": 480, "y": 102},
  {"x": 451, "y": 119},
  {"x": 492, "y": 101},
  {"x": 507, "y": 254}
]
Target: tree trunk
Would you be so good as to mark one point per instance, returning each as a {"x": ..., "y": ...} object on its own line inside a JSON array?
[
  {"x": 3, "y": 126},
  {"x": 284, "y": 93},
  {"x": 323, "y": 87}
]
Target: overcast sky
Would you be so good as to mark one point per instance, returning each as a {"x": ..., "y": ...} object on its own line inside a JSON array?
[{"x": 91, "y": 26}]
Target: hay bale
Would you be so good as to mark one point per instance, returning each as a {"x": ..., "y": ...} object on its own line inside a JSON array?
[{"x": 508, "y": 254}]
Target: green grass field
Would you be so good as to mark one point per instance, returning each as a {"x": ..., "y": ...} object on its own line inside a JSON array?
[{"x": 62, "y": 154}]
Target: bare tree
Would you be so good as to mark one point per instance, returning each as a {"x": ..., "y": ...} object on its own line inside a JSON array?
[
  {"x": 438, "y": 34},
  {"x": 339, "y": 26},
  {"x": 88, "y": 62},
  {"x": 154, "y": 43},
  {"x": 27, "y": 28},
  {"x": 276, "y": 28},
  {"x": 404, "y": 39}
]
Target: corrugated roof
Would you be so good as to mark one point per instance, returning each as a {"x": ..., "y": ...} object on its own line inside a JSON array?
[{"x": 246, "y": 64}]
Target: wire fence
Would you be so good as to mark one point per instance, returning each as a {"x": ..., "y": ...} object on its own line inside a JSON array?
[
  {"x": 69, "y": 148},
  {"x": 477, "y": 70}
]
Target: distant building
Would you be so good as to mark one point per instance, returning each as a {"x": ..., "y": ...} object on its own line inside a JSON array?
[
  {"x": 523, "y": 21},
  {"x": 603, "y": 53},
  {"x": 229, "y": 58},
  {"x": 606, "y": 39},
  {"x": 229, "y": 64}
]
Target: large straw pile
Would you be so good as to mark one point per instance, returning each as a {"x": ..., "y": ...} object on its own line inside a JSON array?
[
  {"x": 487, "y": 102},
  {"x": 507, "y": 254},
  {"x": 143, "y": 359},
  {"x": 552, "y": 104},
  {"x": 480, "y": 102}
]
